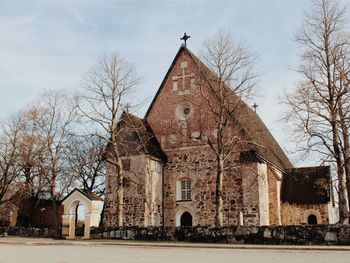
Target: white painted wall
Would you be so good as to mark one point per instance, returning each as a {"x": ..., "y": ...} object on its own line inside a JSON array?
[{"x": 264, "y": 216}]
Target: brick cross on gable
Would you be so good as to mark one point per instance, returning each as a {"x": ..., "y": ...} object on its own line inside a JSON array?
[{"x": 179, "y": 82}]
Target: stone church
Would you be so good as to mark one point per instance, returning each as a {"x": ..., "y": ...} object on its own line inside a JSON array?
[{"x": 169, "y": 173}]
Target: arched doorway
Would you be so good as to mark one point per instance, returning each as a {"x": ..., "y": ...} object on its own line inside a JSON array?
[
  {"x": 78, "y": 223},
  {"x": 186, "y": 219},
  {"x": 312, "y": 220},
  {"x": 80, "y": 219}
]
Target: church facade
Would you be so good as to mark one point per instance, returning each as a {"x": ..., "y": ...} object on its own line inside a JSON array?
[{"x": 169, "y": 173}]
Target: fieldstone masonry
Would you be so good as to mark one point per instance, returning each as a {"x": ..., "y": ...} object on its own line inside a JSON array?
[{"x": 292, "y": 235}]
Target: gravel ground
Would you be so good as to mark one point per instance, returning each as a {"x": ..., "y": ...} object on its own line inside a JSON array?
[{"x": 58, "y": 253}]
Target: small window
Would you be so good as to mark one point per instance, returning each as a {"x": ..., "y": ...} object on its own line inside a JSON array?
[
  {"x": 184, "y": 190},
  {"x": 126, "y": 164},
  {"x": 156, "y": 167},
  {"x": 126, "y": 182}
]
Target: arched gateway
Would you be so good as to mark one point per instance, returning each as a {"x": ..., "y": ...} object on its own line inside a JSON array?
[{"x": 93, "y": 205}]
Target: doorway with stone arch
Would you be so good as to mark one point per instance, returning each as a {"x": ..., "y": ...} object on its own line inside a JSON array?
[
  {"x": 93, "y": 206},
  {"x": 186, "y": 219},
  {"x": 312, "y": 220}
]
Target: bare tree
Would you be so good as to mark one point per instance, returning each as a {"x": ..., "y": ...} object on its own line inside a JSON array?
[
  {"x": 22, "y": 152},
  {"x": 9, "y": 172},
  {"x": 86, "y": 161},
  {"x": 319, "y": 107},
  {"x": 58, "y": 115},
  {"x": 229, "y": 80},
  {"x": 34, "y": 150},
  {"x": 107, "y": 87},
  {"x": 30, "y": 149}
]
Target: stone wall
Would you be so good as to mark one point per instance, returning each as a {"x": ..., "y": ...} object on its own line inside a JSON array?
[
  {"x": 110, "y": 215},
  {"x": 293, "y": 214},
  {"x": 142, "y": 193},
  {"x": 240, "y": 192},
  {"x": 250, "y": 193},
  {"x": 134, "y": 191},
  {"x": 27, "y": 232},
  {"x": 295, "y": 235}
]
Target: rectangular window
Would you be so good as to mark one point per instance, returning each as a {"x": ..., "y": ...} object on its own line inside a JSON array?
[
  {"x": 185, "y": 190},
  {"x": 157, "y": 167}
]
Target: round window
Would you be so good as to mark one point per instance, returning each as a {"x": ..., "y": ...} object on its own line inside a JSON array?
[
  {"x": 187, "y": 111},
  {"x": 184, "y": 110}
]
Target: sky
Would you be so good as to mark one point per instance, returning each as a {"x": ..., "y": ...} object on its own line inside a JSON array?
[{"x": 50, "y": 44}]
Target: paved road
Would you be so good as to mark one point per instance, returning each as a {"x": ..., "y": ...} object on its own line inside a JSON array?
[{"x": 10, "y": 253}]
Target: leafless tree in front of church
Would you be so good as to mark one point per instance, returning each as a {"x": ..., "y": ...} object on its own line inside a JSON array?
[
  {"x": 86, "y": 161},
  {"x": 9, "y": 172},
  {"x": 228, "y": 80},
  {"x": 319, "y": 107},
  {"x": 107, "y": 88},
  {"x": 58, "y": 112},
  {"x": 34, "y": 150}
]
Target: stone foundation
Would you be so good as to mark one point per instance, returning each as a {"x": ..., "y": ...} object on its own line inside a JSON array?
[
  {"x": 292, "y": 235},
  {"x": 27, "y": 232}
]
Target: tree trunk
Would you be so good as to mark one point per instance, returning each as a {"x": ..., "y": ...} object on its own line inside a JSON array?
[
  {"x": 120, "y": 199},
  {"x": 101, "y": 225},
  {"x": 55, "y": 213},
  {"x": 343, "y": 209},
  {"x": 119, "y": 172},
  {"x": 218, "y": 199},
  {"x": 346, "y": 154}
]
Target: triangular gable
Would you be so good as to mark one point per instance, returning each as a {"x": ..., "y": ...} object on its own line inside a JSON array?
[
  {"x": 85, "y": 193},
  {"x": 256, "y": 132},
  {"x": 181, "y": 49}
]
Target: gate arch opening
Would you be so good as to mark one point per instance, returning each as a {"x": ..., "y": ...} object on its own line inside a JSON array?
[{"x": 80, "y": 220}]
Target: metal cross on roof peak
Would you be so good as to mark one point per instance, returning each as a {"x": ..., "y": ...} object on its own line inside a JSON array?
[
  {"x": 184, "y": 38},
  {"x": 255, "y": 106}
]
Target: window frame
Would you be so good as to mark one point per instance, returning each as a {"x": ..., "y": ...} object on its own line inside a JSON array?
[{"x": 184, "y": 190}]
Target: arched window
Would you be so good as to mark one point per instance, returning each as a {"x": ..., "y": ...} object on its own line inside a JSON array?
[
  {"x": 186, "y": 219},
  {"x": 312, "y": 220}
]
